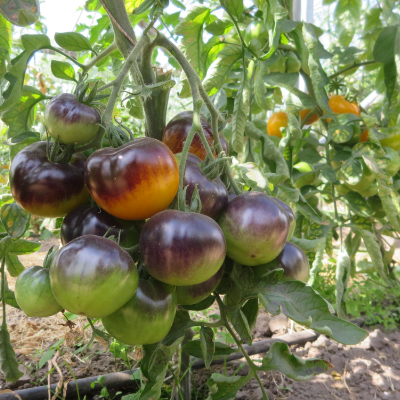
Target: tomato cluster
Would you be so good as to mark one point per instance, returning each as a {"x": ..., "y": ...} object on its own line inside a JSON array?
[{"x": 182, "y": 255}]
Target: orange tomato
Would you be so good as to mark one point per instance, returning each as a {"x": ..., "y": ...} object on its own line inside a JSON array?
[
  {"x": 340, "y": 105},
  {"x": 364, "y": 135},
  {"x": 311, "y": 119},
  {"x": 278, "y": 120}
]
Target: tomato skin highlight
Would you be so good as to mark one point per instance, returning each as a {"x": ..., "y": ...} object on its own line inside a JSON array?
[
  {"x": 73, "y": 122},
  {"x": 146, "y": 318},
  {"x": 92, "y": 276},
  {"x": 255, "y": 227},
  {"x": 192, "y": 294},
  {"x": 292, "y": 260},
  {"x": 213, "y": 193},
  {"x": 278, "y": 120},
  {"x": 86, "y": 220},
  {"x": 134, "y": 181},
  {"x": 290, "y": 215},
  {"x": 181, "y": 248},
  {"x": 33, "y": 293},
  {"x": 44, "y": 188}
]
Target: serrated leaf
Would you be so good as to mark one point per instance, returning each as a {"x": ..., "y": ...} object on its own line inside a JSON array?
[
  {"x": 225, "y": 387},
  {"x": 306, "y": 307},
  {"x": 347, "y": 17},
  {"x": 14, "y": 219},
  {"x": 5, "y": 246},
  {"x": 358, "y": 204},
  {"x": 191, "y": 28},
  {"x": 21, "y": 246},
  {"x": 220, "y": 27},
  {"x": 8, "y": 361},
  {"x": 63, "y": 70},
  {"x": 342, "y": 280},
  {"x": 250, "y": 311},
  {"x": 20, "y": 12},
  {"x": 207, "y": 344},
  {"x": 280, "y": 358},
  {"x": 14, "y": 266},
  {"x": 72, "y": 41},
  {"x": 219, "y": 70}
]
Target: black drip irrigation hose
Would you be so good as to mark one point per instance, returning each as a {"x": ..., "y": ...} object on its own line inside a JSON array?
[{"x": 124, "y": 378}]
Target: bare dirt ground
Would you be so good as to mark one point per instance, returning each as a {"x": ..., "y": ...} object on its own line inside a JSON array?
[{"x": 367, "y": 371}]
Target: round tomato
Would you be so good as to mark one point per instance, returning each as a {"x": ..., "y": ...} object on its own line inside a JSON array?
[
  {"x": 255, "y": 227},
  {"x": 93, "y": 276},
  {"x": 146, "y": 318},
  {"x": 44, "y": 188},
  {"x": 192, "y": 294},
  {"x": 293, "y": 64},
  {"x": 292, "y": 260},
  {"x": 312, "y": 118},
  {"x": 290, "y": 215},
  {"x": 182, "y": 248},
  {"x": 277, "y": 121},
  {"x": 176, "y": 131},
  {"x": 71, "y": 121},
  {"x": 213, "y": 193},
  {"x": 339, "y": 105},
  {"x": 390, "y": 137},
  {"x": 371, "y": 190},
  {"x": 134, "y": 181},
  {"x": 86, "y": 220},
  {"x": 33, "y": 293}
]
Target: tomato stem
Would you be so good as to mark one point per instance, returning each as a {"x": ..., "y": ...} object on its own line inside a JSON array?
[
  {"x": 3, "y": 288},
  {"x": 95, "y": 60}
]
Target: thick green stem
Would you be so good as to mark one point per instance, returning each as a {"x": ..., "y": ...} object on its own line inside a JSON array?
[
  {"x": 111, "y": 48},
  {"x": 355, "y": 65}
]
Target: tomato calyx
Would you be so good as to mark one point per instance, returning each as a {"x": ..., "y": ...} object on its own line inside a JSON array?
[{"x": 58, "y": 152}]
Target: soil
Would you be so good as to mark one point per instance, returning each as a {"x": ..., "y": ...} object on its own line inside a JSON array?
[{"x": 367, "y": 371}]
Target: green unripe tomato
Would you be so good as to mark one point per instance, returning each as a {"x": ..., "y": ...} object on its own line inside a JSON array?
[
  {"x": 301, "y": 175},
  {"x": 293, "y": 64},
  {"x": 342, "y": 189},
  {"x": 33, "y": 293},
  {"x": 371, "y": 190},
  {"x": 147, "y": 317}
]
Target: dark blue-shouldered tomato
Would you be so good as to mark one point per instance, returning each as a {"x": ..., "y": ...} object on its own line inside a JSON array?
[
  {"x": 255, "y": 227},
  {"x": 71, "y": 121},
  {"x": 182, "y": 248},
  {"x": 86, "y": 220},
  {"x": 93, "y": 276},
  {"x": 134, "y": 181},
  {"x": 192, "y": 294},
  {"x": 44, "y": 188},
  {"x": 292, "y": 260},
  {"x": 33, "y": 293},
  {"x": 213, "y": 193},
  {"x": 146, "y": 318}
]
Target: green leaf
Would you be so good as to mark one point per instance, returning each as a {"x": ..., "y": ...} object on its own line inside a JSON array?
[
  {"x": 342, "y": 280},
  {"x": 193, "y": 348},
  {"x": 307, "y": 244},
  {"x": 250, "y": 311},
  {"x": 306, "y": 307},
  {"x": 390, "y": 203},
  {"x": 225, "y": 387},
  {"x": 358, "y": 204},
  {"x": 347, "y": 17},
  {"x": 20, "y": 12},
  {"x": 260, "y": 91},
  {"x": 15, "y": 219},
  {"x": 5, "y": 246},
  {"x": 340, "y": 133},
  {"x": 280, "y": 358},
  {"x": 23, "y": 138},
  {"x": 5, "y": 40},
  {"x": 63, "y": 70},
  {"x": 309, "y": 155},
  {"x": 72, "y": 41},
  {"x": 191, "y": 28},
  {"x": 352, "y": 170},
  {"x": 207, "y": 344},
  {"x": 22, "y": 246},
  {"x": 15, "y": 76},
  {"x": 233, "y": 7},
  {"x": 8, "y": 361},
  {"x": 241, "y": 325},
  {"x": 178, "y": 4},
  {"x": 132, "y": 5},
  {"x": 240, "y": 113},
  {"x": 220, "y": 27},
  {"x": 14, "y": 266},
  {"x": 181, "y": 323},
  {"x": 219, "y": 71}
]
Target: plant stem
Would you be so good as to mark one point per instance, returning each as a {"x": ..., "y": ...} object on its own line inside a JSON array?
[
  {"x": 65, "y": 55},
  {"x": 3, "y": 289},
  {"x": 111, "y": 48},
  {"x": 355, "y": 65}
]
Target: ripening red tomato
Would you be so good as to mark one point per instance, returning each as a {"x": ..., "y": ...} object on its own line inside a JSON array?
[
  {"x": 364, "y": 135},
  {"x": 135, "y": 181},
  {"x": 277, "y": 121}
]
